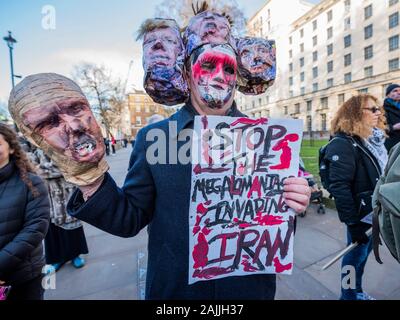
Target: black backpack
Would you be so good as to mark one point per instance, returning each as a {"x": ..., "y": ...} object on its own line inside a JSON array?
[{"x": 323, "y": 164}]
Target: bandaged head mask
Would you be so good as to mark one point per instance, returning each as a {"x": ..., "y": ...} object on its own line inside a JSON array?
[
  {"x": 53, "y": 113},
  {"x": 256, "y": 64},
  {"x": 163, "y": 61}
]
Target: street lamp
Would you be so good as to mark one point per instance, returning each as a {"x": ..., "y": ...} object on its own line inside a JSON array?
[{"x": 10, "y": 43}]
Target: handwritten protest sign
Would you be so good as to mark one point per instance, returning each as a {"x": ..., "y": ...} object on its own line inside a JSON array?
[{"x": 239, "y": 223}]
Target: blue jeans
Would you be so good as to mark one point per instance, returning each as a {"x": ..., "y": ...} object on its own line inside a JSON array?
[{"x": 357, "y": 258}]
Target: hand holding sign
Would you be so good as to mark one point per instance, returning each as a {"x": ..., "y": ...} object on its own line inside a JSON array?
[{"x": 240, "y": 218}]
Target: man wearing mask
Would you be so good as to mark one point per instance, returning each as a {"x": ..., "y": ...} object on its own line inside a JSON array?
[
  {"x": 158, "y": 195},
  {"x": 392, "y": 110}
]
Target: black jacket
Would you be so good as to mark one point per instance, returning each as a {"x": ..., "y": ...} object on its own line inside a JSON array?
[
  {"x": 23, "y": 225},
  {"x": 353, "y": 174},
  {"x": 392, "y": 117},
  {"x": 158, "y": 195}
]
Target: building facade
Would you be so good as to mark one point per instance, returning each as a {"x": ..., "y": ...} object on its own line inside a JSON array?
[
  {"x": 142, "y": 107},
  {"x": 338, "y": 48}
]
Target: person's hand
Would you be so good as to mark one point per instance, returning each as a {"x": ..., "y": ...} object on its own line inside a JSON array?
[
  {"x": 396, "y": 126},
  {"x": 297, "y": 194},
  {"x": 357, "y": 232},
  {"x": 2, "y": 282},
  {"x": 90, "y": 189}
]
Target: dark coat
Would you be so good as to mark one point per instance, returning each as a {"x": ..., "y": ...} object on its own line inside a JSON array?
[
  {"x": 23, "y": 225},
  {"x": 392, "y": 117},
  {"x": 159, "y": 196},
  {"x": 353, "y": 174}
]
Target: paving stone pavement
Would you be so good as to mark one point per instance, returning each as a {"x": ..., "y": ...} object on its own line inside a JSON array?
[{"x": 116, "y": 267}]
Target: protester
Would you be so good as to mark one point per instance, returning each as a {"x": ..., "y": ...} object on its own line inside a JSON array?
[
  {"x": 107, "y": 144},
  {"x": 392, "y": 110},
  {"x": 113, "y": 143},
  {"x": 158, "y": 195},
  {"x": 65, "y": 241},
  {"x": 24, "y": 220},
  {"x": 356, "y": 157}
]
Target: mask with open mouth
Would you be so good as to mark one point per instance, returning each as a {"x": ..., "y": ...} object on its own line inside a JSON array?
[{"x": 53, "y": 113}]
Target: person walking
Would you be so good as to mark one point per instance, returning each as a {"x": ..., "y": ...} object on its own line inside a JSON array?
[
  {"x": 356, "y": 158},
  {"x": 65, "y": 240},
  {"x": 24, "y": 220},
  {"x": 392, "y": 110}
]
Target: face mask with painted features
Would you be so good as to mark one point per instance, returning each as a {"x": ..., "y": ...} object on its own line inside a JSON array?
[
  {"x": 163, "y": 61},
  {"x": 213, "y": 75},
  {"x": 207, "y": 28},
  {"x": 256, "y": 64},
  {"x": 53, "y": 113}
]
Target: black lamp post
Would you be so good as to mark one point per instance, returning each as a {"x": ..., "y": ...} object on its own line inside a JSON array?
[{"x": 10, "y": 43}]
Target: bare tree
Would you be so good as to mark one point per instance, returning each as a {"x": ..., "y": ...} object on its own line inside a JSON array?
[{"x": 106, "y": 95}]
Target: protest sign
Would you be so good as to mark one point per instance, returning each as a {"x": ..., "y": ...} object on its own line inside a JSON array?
[{"x": 239, "y": 223}]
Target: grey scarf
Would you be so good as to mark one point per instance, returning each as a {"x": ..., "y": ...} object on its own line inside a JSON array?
[{"x": 375, "y": 144}]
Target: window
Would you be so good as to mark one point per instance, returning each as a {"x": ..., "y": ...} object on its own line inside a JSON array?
[
  {"x": 329, "y": 66},
  {"x": 347, "y": 77},
  {"x": 368, "y": 12},
  {"x": 302, "y": 91},
  {"x": 138, "y": 121},
  {"x": 315, "y": 56},
  {"x": 368, "y": 52},
  {"x": 267, "y": 99},
  {"x": 329, "y": 49},
  {"x": 315, "y": 72},
  {"x": 290, "y": 81},
  {"x": 329, "y": 15},
  {"x": 347, "y": 23},
  {"x": 138, "y": 108},
  {"x": 253, "y": 103},
  {"x": 315, "y": 87},
  {"x": 347, "y": 41},
  {"x": 285, "y": 110},
  {"x": 329, "y": 32},
  {"x": 314, "y": 25},
  {"x": 297, "y": 108},
  {"x": 341, "y": 98},
  {"x": 393, "y": 43},
  {"x": 309, "y": 105},
  {"x": 302, "y": 76},
  {"x": 347, "y": 4},
  {"x": 368, "y": 32},
  {"x": 290, "y": 93},
  {"x": 363, "y": 90},
  {"x": 393, "y": 20},
  {"x": 290, "y": 53},
  {"x": 302, "y": 62},
  {"x": 147, "y": 109},
  {"x": 368, "y": 71},
  {"x": 309, "y": 124},
  {"x": 324, "y": 103},
  {"x": 347, "y": 59},
  {"x": 290, "y": 66},
  {"x": 323, "y": 122},
  {"x": 329, "y": 83},
  {"x": 392, "y": 2},
  {"x": 290, "y": 40},
  {"x": 259, "y": 101},
  {"x": 394, "y": 64},
  {"x": 315, "y": 41},
  {"x": 301, "y": 47},
  {"x": 301, "y": 33}
]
